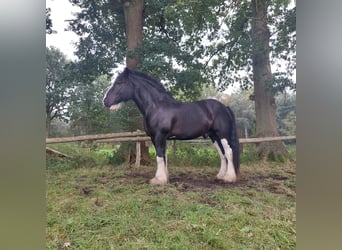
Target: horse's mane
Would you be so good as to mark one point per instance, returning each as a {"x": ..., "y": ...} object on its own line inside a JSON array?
[{"x": 140, "y": 76}]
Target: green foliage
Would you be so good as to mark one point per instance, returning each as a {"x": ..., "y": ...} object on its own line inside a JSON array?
[
  {"x": 59, "y": 128},
  {"x": 275, "y": 157},
  {"x": 81, "y": 155},
  {"x": 58, "y": 85},
  {"x": 249, "y": 154},
  {"x": 102, "y": 44},
  {"x": 235, "y": 53},
  {"x": 55, "y": 164},
  {"x": 120, "y": 155},
  {"x": 127, "y": 118},
  {"x": 48, "y": 21},
  {"x": 286, "y": 113},
  {"x": 101, "y": 28},
  {"x": 87, "y": 114},
  {"x": 188, "y": 45},
  {"x": 291, "y": 148},
  {"x": 244, "y": 110},
  {"x": 193, "y": 154}
]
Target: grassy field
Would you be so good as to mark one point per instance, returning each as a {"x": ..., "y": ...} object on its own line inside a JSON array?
[{"x": 113, "y": 207}]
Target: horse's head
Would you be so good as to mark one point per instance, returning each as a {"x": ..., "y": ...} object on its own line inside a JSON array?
[{"x": 120, "y": 92}]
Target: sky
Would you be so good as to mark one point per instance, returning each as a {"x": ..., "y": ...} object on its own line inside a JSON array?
[{"x": 62, "y": 10}]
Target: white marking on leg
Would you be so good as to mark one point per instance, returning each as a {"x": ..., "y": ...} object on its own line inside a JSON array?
[
  {"x": 230, "y": 175},
  {"x": 223, "y": 168},
  {"x": 161, "y": 176}
]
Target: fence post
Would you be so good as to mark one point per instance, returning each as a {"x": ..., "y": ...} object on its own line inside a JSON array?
[{"x": 138, "y": 154}]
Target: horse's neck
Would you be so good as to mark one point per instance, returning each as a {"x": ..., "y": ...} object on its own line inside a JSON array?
[{"x": 148, "y": 99}]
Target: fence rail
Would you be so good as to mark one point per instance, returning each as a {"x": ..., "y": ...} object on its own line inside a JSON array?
[
  {"x": 123, "y": 136},
  {"x": 140, "y": 136}
]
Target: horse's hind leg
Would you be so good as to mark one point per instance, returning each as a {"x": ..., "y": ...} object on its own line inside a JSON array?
[
  {"x": 223, "y": 167},
  {"x": 220, "y": 149},
  {"x": 230, "y": 175}
]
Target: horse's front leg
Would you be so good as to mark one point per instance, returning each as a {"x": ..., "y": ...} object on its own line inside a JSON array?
[{"x": 162, "y": 175}]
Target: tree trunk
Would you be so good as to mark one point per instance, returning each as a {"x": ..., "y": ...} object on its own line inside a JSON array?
[
  {"x": 240, "y": 135},
  {"x": 134, "y": 26},
  {"x": 265, "y": 106},
  {"x": 134, "y": 35},
  {"x": 48, "y": 125}
]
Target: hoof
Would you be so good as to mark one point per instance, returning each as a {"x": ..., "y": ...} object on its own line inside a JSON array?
[
  {"x": 219, "y": 178},
  {"x": 230, "y": 179},
  {"x": 156, "y": 181}
]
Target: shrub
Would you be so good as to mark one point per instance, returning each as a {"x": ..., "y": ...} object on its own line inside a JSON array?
[{"x": 193, "y": 154}]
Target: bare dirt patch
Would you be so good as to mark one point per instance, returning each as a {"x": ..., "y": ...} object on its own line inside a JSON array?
[
  {"x": 262, "y": 177},
  {"x": 280, "y": 180}
]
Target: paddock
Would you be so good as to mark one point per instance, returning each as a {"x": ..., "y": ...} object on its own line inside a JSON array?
[{"x": 111, "y": 206}]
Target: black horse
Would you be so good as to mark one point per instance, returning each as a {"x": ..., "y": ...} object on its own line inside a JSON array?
[{"x": 166, "y": 118}]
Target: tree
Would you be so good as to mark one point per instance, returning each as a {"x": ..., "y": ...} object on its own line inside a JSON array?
[
  {"x": 265, "y": 106},
  {"x": 129, "y": 17},
  {"x": 87, "y": 115},
  {"x": 112, "y": 31},
  {"x": 245, "y": 39},
  {"x": 187, "y": 44},
  {"x": 104, "y": 27},
  {"x": 57, "y": 86},
  {"x": 134, "y": 31},
  {"x": 48, "y": 21},
  {"x": 133, "y": 10},
  {"x": 238, "y": 41},
  {"x": 133, "y": 13}
]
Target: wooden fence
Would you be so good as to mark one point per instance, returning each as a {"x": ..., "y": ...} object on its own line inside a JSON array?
[{"x": 139, "y": 137}]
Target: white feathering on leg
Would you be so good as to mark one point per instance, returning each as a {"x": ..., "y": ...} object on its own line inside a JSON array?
[
  {"x": 223, "y": 168},
  {"x": 230, "y": 175},
  {"x": 161, "y": 176}
]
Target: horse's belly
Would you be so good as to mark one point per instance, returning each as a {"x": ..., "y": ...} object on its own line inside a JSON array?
[
  {"x": 184, "y": 122},
  {"x": 188, "y": 130}
]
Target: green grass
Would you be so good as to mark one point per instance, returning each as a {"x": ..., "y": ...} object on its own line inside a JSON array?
[{"x": 113, "y": 207}]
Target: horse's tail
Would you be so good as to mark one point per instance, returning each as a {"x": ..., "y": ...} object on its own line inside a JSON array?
[{"x": 234, "y": 143}]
